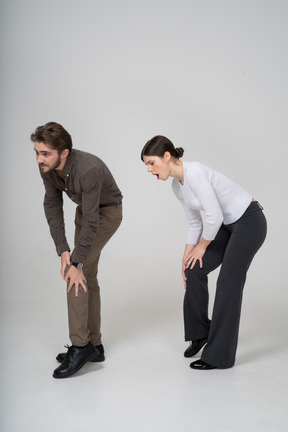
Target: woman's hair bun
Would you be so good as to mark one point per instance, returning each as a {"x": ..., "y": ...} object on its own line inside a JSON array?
[
  {"x": 158, "y": 145},
  {"x": 179, "y": 151}
]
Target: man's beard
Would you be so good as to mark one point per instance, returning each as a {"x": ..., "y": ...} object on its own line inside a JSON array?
[{"x": 52, "y": 167}]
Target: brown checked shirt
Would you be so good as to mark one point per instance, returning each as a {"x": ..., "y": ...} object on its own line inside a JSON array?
[{"x": 88, "y": 182}]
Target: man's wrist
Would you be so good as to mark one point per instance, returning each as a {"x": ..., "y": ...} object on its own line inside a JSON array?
[{"x": 79, "y": 266}]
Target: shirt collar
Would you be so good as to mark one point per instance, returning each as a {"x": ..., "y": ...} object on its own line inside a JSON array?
[{"x": 68, "y": 165}]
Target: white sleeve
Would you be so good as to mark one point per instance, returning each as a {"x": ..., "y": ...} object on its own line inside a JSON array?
[
  {"x": 195, "y": 225},
  {"x": 203, "y": 188}
]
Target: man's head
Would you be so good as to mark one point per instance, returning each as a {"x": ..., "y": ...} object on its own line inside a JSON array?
[
  {"x": 52, "y": 144},
  {"x": 54, "y": 136}
]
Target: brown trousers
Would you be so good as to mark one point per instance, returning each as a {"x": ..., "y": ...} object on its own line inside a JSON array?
[{"x": 84, "y": 311}]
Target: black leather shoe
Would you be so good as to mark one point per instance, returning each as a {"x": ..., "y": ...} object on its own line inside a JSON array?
[
  {"x": 194, "y": 347},
  {"x": 100, "y": 357},
  {"x": 75, "y": 359},
  {"x": 201, "y": 365}
]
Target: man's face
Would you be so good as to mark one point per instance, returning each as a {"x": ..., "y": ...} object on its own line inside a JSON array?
[{"x": 48, "y": 159}]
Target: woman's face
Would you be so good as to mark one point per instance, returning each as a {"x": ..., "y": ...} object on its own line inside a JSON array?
[{"x": 158, "y": 166}]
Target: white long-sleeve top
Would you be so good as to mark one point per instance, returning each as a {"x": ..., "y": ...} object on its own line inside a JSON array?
[{"x": 207, "y": 190}]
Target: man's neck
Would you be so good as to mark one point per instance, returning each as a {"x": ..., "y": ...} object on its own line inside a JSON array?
[
  {"x": 60, "y": 169},
  {"x": 59, "y": 174}
]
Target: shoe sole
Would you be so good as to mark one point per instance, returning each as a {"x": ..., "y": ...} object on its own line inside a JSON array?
[
  {"x": 90, "y": 358},
  {"x": 98, "y": 359},
  {"x": 205, "y": 367}
]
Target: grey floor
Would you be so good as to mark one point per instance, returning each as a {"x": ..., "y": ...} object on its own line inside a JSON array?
[{"x": 145, "y": 384}]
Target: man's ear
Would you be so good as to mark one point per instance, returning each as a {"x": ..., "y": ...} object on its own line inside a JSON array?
[{"x": 64, "y": 153}]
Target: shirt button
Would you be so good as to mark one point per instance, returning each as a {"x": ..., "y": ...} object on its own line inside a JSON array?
[{"x": 66, "y": 189}]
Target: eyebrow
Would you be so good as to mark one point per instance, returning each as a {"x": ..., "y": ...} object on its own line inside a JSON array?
[{"x": 42, "y": 151}]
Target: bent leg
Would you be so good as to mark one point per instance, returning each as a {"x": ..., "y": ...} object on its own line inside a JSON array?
[
  {"x": 247, "y": 236},
  {"x": 196, "y": 299},
  {"x": 84, "y": 311},
  {"x": 110, "y": 220}
]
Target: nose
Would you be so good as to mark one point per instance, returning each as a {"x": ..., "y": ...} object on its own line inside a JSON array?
[
  {"x": 150, "y": 169},
  {"x": 39, "y": 159}
]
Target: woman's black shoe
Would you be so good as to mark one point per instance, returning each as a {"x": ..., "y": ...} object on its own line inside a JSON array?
[
  {"x": 194, "y": 347},
  {"x": 75, "y": 359},
  {"x": 100, "y": 357},
  {"x": 201, "y": 365}
]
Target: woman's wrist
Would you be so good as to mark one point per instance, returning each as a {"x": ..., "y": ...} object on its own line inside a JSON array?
[{"x": 204, "y": 243}]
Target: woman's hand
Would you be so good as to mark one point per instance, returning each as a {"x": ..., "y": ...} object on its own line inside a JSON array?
[
  {"x": 183, "y": 274},
  {"x": 188, "y": 250},
  {"x": 196, "y": 255},
  {"x": 192, "y": 254}
]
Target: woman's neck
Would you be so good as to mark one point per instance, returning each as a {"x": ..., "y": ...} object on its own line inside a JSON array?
[{"x": 176, "y": 171}]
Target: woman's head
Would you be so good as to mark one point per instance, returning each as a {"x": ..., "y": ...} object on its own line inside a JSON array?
[
  {"x": 158, "y": 146},
  {"x": 162, "y": 158}
]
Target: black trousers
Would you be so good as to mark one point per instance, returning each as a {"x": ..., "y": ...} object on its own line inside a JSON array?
[{"x": 233, "y": 248}]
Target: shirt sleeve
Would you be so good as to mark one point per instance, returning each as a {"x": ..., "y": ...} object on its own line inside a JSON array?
[
  {"x": 91, "y": 189},
  {"x": 195, "y": 225},
  {"x": 202, "y": 187},
  {"x": 53, "y": 207}
]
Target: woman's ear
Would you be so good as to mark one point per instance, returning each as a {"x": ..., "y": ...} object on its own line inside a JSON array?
[{"x": 167, "y": 156}]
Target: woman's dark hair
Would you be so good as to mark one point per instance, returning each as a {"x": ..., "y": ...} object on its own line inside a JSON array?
[
  {"x": 53, "y": 135},
  {"x": 158, "y": 145}
]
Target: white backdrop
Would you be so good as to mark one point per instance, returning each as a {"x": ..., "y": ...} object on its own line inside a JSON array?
[{"x": 211, "y": 75}]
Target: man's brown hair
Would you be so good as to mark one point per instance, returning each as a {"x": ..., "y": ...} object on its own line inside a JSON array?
[{"x": 53, "y": 135}]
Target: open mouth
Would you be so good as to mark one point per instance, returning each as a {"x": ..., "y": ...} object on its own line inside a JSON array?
[{"x": 157, "y": 175}]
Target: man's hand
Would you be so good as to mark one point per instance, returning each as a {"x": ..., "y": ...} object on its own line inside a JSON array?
[
  {"x": 65, "y": 262},
  {"x": 75, "y": 277},
  {"x": 71, "y": 274}
]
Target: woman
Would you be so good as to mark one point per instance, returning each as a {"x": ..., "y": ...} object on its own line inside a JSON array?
[{"x": 235, "y": 229}]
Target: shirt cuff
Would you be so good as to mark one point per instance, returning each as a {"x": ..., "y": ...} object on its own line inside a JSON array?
[
  {"x": 62, "y": 247},
  {"x": 78, "y": 258}
]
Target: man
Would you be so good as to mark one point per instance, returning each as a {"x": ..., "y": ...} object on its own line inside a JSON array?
[{"x": 89, "y": 183}]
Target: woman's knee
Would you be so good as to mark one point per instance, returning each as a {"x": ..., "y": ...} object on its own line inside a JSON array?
[{"x": 194, "y": 274}]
